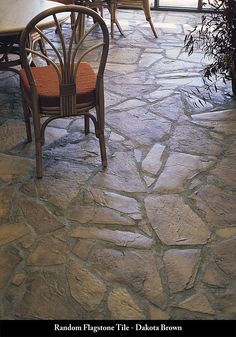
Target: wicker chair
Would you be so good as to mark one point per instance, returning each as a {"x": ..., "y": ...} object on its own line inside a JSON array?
[
  {"x": 69, "y": 86},
  {"x": 140, "y": 4}
]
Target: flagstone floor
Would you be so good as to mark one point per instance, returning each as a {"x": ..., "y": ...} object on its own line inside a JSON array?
[{"x": 154, "y": 235}]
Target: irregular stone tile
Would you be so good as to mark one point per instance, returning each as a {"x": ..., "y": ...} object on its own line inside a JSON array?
[
  {"x": 52, "y": 134},
  {"x": 225, "y": 171},
  {"x": 137, "y": 270},
  {"x": 98, "y": 215},
  {"x": 46, "y": 298},
  {"x": 9, "y": 259},
  {"x": 13, "y": 167},
  {"x": 49, "y": 251},
  {"x": 27, "y": 243},
  {"x": 181, "y": 267},
  {"x": 38, "y": 216},
  {"x": 12, "y": 132},
  {"x": 158, "y": 314},
  {"x": 11, "y": 232},
  {"x": 120, "y": 177},
  {"x": 84, "y": 151},
  {"x": 6, "y": 195},
  {"x": 83, "y": 248},
  {"x": 149, "y": 58},
  {"x": 174, "y": 221},
  {"x": 122, "y": 69},
  {"x": 85, "y": 287},
  {"x": 18, "y": 279},
  {"x": 190, "y": 138},
  {"x": 148, "y": 180},
  {"x": 123, "y": 306},
  {"x": 159, "y": 94},
  {"x": 116, "y": 201},
  {"x": 61, "y": 123},
  {"x": 119, "y": 238},
  {"x": 138, "y": 155},
  {"x": 171, "y": 107},
  {"x": 115, "y": 137},
  {"x": 225, "y": 256},
  {"x": 226, "y": 233},
  {"x": 227, "y": 303},
  {"x": 212, "y": 277},
  {"x": 152, "y": 162},
  {"x": 144, "y": 129},
  {"x": 218, "y": 205},
  {"x": 125, "y": 55},
  {"x": 179, "y": 168},
  {"x": 29, "y": 189},
  {"x": 128, "y": 104},
  {"x": 198, "y": 303}
]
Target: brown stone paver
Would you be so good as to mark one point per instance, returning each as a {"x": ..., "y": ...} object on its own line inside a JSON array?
[{"x": 154, "y": 235}]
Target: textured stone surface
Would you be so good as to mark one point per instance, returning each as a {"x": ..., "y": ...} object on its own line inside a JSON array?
[
  {"x": 179, "y": 168},
  {"x": 199, "y": 303},
  {"x": 137, "y": 270},
  {"x": 121, "y": 177},
  {"x": 218, "y": 205},
  {"x": 158, "y": 314},
  {"x": 122, "y": 306},
  {"x": 13, "y": 166},
  {"x": 85, "y": 287},
  {"x": 213, "y": 277},
  {"x": 46, "y": 298},
  {"x": 119, "y": 238},
  {"x": 12, "y": 132},
  {"x": 9, "y": 259},
  {"x": 44, "y": 222},
  {"x": 6, "y": 195},
  {"x": 225, "y": 256},
  {"x": 49, "y": 251},
  {"x": 11, "y": 232},
  {"x": 152, "y": 162},
  {"x": 191, "y": 139},
  {"x": 174, "y": 221},
  {"x": 181, "y": 267}
]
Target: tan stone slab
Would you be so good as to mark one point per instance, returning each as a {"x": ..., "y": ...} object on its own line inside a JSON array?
[
  {"x": 218, "y": 205},
  {"x": 18, "y": 279},
  {"x": 198, "y": 303},
  {"x": 137, "y": 270},
  {"x": 158, "y": 314},
  {"x": 181, "y": 267},
  {"x": 226, "y": 233},
  {"x": 119, "y": 238},
  {"x": 38, "y": 216},
  {"x": 225, "y": 256},
  {"x": 48, "y": 252},
  {"x": 46, "y": 298},
  {"x": 220, "y": 115},
  {"x": 174, "y": 222},
  {"x": 225, "y": 171},
  {"x": 122, "y": 305},
  {"x": 12, "y": 132},
  {"x": 121, "y": 174},
  {"x": 6, "y": 195},
  {"x": 98, "y": 215},
  {"x": 83, "y": 248},
  {"x": 12, "y": 166},
  {"x": 9, "y": 259},
  {"x": 11, "y": 232},
  {"x": 212, "y": 277},
  {"x": 227, "y": 303},
  {"x": 179, "y": 168},
  {"x": 152, "y": 162},
  {"x": 85, "y": 287}
]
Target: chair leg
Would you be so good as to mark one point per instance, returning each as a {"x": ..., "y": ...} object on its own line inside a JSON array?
[
  {"x": 39, "y": 161},
  {"x": 147, "y": 12},
  {"x": 103, "y": 148},
  {"x": 27, "y": 120},
  {"x": 86, "y": 124}
]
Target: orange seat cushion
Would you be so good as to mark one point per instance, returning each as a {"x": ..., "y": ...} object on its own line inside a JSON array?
[{"x": 47, "y": 83}]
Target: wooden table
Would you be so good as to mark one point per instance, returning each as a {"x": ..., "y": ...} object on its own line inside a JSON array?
[{"x": 14, "y": 16}]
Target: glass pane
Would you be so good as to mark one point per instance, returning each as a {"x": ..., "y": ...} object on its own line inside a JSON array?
[{"x": 179, "y": 3}]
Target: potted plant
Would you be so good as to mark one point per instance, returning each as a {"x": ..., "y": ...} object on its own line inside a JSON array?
[{"x": 216, "y": 37}]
